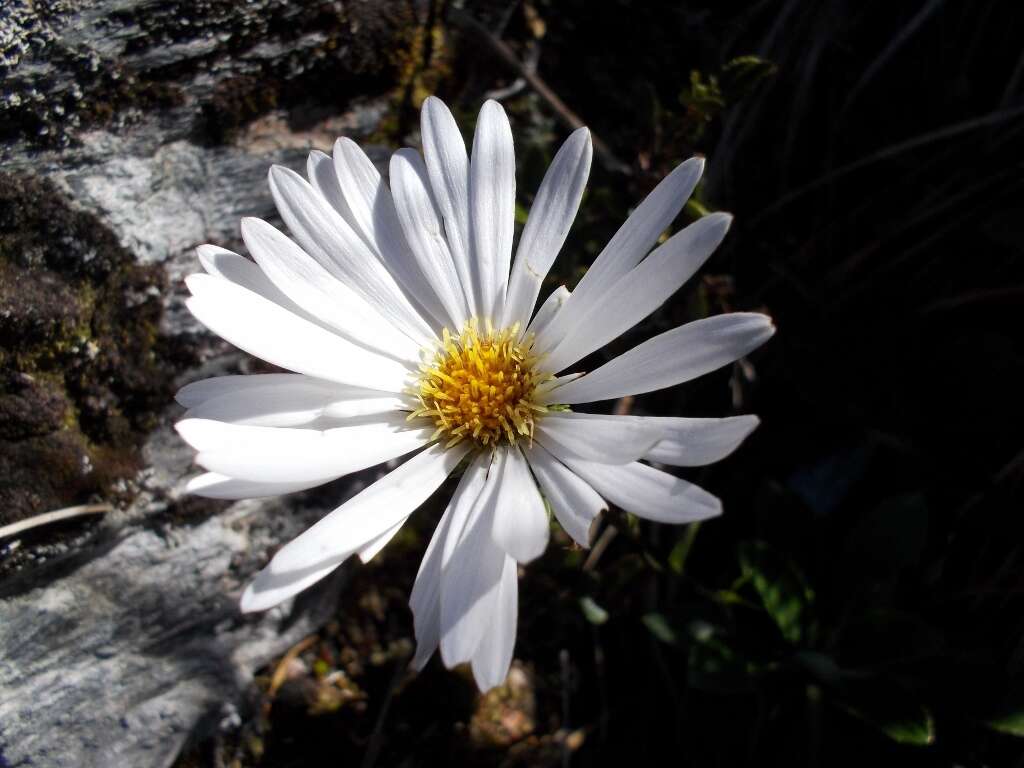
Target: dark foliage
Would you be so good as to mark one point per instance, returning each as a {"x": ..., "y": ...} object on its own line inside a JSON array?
[{"x": 860, "y": 601}]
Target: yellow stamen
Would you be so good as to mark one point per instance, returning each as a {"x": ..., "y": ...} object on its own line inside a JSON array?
[{"x": 480, "y": 385}]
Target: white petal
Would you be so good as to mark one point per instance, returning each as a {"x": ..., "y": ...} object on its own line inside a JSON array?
[
  {"x": 520, "y": 524},
  {"x": 641, "y": 291},
  {"x": 679, "y": 355},
  {"x": 216, "y": 486},
  {"x": 574, "y": 502},
  {"x": 492, "y": 204},
  {"x": 370, "y": 551},
  {"x": 421, "y": 222},
  {"x": 239, "y": 270},
  {"x": 646, "y": 491},
  {"x": 271, "y": 333},
  {"x": 471, "y": 566},
  {"x": 630, "y": 244},
  {"x": 295, "y": 404},
  {"x": 341, "y": 400},
  {"x": 270, "y": 588},
  {"x": 696, "y": 442},
  {"x": 551, "y": 216},
  {"x": 448, "y": 166},
  {"x": 552, "y": 304},
  {"x": 312, "y": 287},
  {"x": 279, "y": 454},
  {"x": 597, "y": 437},
  {"x": 493, "y": 655},
  {"x": 368, "y": 197},
  {"x": 200, "y": 391},
  {"x": 425, "y": 599},
  {"x": 323, "y": 178},
  {"x": 372, "y": 512},
  {"x": 328, "y": 238}
]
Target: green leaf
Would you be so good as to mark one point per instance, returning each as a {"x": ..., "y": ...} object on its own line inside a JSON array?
[
  {"x": 658, "y": 626},
  {"x": 1009, "y": 716},
  {"x": 782, "y": 588},
  {"x": 714, "y": 664},
  {"x": 744, "y": 74},
  {"x": 1011, "y": 723},
  {"x": 681, "y": 551},
  {"x": 594, "y": 613},
  {"x": 892, "y": 710}
]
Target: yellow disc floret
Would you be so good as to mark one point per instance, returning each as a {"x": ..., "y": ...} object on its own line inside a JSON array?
[{"x": 479, "y": 386}]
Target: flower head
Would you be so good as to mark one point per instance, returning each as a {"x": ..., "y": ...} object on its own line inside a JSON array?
[{"x": 410, "y": 331}]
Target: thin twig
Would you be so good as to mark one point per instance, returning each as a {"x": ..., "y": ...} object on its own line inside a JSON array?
[
  {"x": 53, "y": 517},
  {"x": 603, "y": 541},
  {"x": 566, "y": 115}
]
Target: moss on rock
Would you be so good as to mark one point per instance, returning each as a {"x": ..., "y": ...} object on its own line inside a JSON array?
[{"x": 84, "y": 368}]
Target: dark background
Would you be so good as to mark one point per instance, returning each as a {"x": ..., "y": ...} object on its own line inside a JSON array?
[{"x": 861, "y": 599}]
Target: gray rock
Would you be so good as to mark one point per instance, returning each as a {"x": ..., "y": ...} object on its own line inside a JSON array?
[{"x": 130, "y": 132}]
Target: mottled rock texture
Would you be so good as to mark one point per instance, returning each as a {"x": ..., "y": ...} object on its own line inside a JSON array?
[{"x": 130, "y": 132}]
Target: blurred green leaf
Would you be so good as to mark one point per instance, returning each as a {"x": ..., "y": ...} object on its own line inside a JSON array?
[
  {"x": 1011, "y": 723},
  {"x": 593, "y": 612},
  {"x": 782, "y": 588},
  {"x": 745, "y": 73},
  {"x": 1009, "y": 717},
  {"x": 823, "y": 668},
  {"x": 681, "y": 551},
  {"x": 658, "y": 626},
  {"x": 890, "y": 709},
  {"x": 713, "y": 663}
]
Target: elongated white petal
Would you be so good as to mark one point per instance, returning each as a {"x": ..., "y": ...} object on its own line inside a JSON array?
[
  {"x": 599, "y": 437},
  {"x": 370, "y": 201},
  {"x": 372, "y": 512},
  {"x": 278, "y": 454},
  {"x": 630, "y": 244},
  {"x": 421, "y": 221},
  {"x": 323, "y": 178},
  {"x": 574, "y": 502},
  {"x": 200, "y": 391},
  {"x": 552, "y": 304},
  {"x": 551, "y": 216},
  {"x": 216, "y": 486},
  {"x": 371, "y": 550},
  {"x": 641, "y": 291},
  {"x": 425, "y": 600},
  {"x": 646, "y": 491},
  {"x": 271, "y": 333},
  {"x": 294, "y": 404},
  {"x": 670, "y": 358},
  {"x": 696, "y": 442},
  {"x": 271, "y": 588},
  {"x": 309, "y": 285},
  {"x": 492, "y": 203},
  {"x": 448, "y": 166},
  {"x": 326, "y": 236},
  {"x": 520, "y": 524},
  {"x": 364, "y": 193},
  {"x": 471, "y": 567},
  {"x": 493, "y": 655},
  {"x": 237, "y": 269}
]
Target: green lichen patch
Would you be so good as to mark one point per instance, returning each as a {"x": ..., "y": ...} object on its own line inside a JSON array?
[{"x": 84, "y": 370}]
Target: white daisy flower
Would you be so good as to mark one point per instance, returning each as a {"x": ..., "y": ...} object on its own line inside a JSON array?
[{"x": 411, "y": 331}]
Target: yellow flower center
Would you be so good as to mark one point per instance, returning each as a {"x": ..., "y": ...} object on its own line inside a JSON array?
[{"x": 480, "y": 385}]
